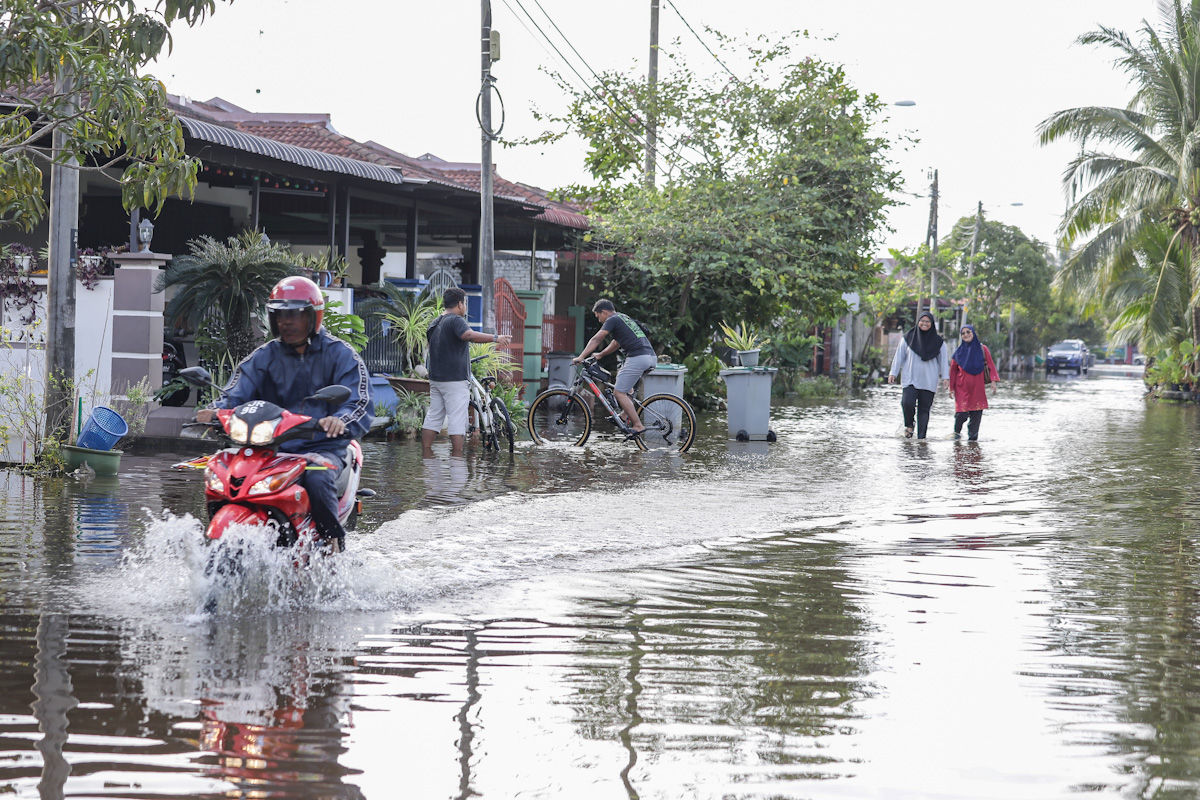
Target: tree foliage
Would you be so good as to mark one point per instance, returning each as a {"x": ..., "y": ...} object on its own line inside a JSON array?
[
  {"x": 222, "y": 287},
  {"x": 1008, "y": 267},
  {"x": 771, "y": 189},
  {"x": 1137, "y": 174},
  {"x": 73, "y": 67}
]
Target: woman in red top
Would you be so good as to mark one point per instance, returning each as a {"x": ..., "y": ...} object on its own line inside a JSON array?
[{"x": 971, "y": 368}]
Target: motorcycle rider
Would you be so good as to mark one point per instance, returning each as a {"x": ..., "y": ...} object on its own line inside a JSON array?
[{"x": 303, "y": 358}]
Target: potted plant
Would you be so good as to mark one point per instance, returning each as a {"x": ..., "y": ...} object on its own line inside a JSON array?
[
  {"x": 87, "y": 268},
  {"x": 745, "y": 341},
  {"x": 407, "y": 317}
]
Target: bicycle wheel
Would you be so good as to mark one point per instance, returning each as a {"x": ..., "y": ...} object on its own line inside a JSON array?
[
  {"x": 556, "y": 415},
  {"x": 670, "y": 423},
  {"x": 502, "y": 421}
]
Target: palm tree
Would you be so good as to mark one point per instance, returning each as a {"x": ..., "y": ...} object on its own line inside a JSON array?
[
  {"x": 1150, "y": 179},
  {"x": 223, "y": 287}
]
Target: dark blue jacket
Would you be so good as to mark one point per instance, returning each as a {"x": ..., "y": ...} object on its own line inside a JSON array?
[{"x": 278, "y": 374}]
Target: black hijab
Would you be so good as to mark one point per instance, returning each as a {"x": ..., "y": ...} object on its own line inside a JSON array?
[{"x": 926, "y": 344}]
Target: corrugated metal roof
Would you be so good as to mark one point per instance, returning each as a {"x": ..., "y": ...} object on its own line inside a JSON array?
[{"x": 313, "y": 159}]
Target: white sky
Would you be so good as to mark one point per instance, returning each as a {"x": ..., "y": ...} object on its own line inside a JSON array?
[{"x": 406, "y": 75}]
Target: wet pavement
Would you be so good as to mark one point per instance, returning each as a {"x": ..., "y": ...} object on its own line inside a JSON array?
[{"x": 844, "y": 613}]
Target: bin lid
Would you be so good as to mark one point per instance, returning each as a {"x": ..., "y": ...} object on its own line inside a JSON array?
[{"x": 668, "y": 369}]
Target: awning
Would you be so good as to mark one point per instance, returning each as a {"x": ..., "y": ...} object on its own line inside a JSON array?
[{"x": 313, "y": 159}]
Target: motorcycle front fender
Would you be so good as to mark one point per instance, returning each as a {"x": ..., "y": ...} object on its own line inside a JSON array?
[{"x": 233, "y": 514}]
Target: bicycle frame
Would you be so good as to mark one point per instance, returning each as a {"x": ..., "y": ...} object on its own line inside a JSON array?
[{"x": 614, "y": 409}]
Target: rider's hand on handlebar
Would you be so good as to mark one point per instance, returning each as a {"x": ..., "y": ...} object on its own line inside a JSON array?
[
  {"x": 206, "y": 415},
  {"x": 333, "y": 426},
  {"x": 580, "y": 359}
]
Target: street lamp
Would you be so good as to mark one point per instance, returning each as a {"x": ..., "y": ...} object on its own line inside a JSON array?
[{"x": 145, "y": 234}]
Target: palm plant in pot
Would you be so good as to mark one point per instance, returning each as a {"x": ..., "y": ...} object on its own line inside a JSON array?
[
  {"x": 406, "y": 318},
  {"x": 744, "y": 341},
  {"x": 222, "y": 287}
]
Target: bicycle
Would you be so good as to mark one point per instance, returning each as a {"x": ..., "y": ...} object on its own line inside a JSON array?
[
  {"x": 494, "y": 422},
  {"x": 561, "y": 415}
]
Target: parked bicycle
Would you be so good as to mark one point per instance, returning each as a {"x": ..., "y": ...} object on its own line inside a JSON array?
[
  {"x": 489, "y": 414},
  {"x": 562, "y": 415}
]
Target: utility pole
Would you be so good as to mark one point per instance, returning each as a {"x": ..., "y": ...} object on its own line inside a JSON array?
[
  {"x": 974, "y": 246},
  {"x": 60, "y": 289},
  {"x": 1012, "y": 334},
  {"x": 652, "y": 84},
  {"x": 487, "y": 223},
  {"x": 930, "y": 260}
]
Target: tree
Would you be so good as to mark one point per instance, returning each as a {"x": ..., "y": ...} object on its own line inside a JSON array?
[
  {"x": 223, "y": 287},
  {"x": 772, "y": 189},
  {"x": 83, "y": 58},
  {"x": 1008, "y": 267},
  {"x": 1149, "y": 178}
]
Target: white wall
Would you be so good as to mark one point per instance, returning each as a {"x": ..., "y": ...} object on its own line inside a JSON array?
[{"x": 23, "y": 368}]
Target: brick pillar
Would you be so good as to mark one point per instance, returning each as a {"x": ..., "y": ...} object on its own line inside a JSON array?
[{"x": 137, "y": 320}]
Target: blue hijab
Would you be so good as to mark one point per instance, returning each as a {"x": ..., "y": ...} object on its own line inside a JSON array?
[{"x": 970, "y": 356}]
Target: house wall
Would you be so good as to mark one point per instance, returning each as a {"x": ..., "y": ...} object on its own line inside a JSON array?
[{"x": 23, "y": 365}]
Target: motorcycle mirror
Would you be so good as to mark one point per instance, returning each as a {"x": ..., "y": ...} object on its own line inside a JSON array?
[
  {"x": 198, "y": 376},
  {"x": 332, "y": 395}
]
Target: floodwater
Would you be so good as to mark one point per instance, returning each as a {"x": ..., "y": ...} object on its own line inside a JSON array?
[{"x": 842, "y": 614}]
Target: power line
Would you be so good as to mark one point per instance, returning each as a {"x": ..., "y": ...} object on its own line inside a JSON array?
[
  {"x": 702, "y": 42},
  {"x": 638, "y": 134}
]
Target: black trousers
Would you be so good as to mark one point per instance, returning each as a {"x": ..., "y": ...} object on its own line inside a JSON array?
[
  {"x": 916, "y": 402},
  {"x": 323, "y": 497},
  {"x": 972, "y": 419}
]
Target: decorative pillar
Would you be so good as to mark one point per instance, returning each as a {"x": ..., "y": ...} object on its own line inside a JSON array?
[
  {"x": 137, "y": 323},
  {"x": 370, "y": 258},
  {"x": 547, "y": 281}
]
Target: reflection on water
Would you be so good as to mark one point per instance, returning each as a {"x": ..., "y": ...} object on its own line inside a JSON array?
[{"x": 842, "y": 613}]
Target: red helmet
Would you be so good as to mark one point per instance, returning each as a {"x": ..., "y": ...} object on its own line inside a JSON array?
[{"x": 296, "y": 293}]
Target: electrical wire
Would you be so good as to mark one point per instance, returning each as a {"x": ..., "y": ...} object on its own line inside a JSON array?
[
  {"x": 679, "y": 14},
  {"x": 637, "y": 133},
  {"x": 600, "y": 80}
]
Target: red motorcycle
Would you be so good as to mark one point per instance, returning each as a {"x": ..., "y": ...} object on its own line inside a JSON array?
[{"x": 252, "y": 483}]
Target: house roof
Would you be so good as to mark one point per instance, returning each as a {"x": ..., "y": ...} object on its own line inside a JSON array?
[{"x": 305, "y": 157}]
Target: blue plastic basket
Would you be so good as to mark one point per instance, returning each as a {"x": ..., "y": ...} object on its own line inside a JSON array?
[{"x": 103, "y": 430}]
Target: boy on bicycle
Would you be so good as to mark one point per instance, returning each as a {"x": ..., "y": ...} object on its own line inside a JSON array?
[{"x": 639, "y": 355}]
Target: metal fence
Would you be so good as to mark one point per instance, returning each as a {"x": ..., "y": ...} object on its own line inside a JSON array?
[
  {"x": 510, "y": 320},
  {"x": 383, "y": 353},
  {"x": 558, "y": 334}
]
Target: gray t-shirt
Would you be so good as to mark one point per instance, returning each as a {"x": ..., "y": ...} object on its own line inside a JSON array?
[
  {"x": 629, "y": 335},
  {"x": 449, "y": 355}
]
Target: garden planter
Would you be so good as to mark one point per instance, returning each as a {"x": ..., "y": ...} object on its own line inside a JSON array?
[
  {"x": 102, "y": 462},
  {"x": 419, "y": 385},
  {"x": 748, "y": 358}
]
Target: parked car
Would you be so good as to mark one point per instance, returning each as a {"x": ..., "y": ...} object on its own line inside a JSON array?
[{"x": 1069, "y": 354}]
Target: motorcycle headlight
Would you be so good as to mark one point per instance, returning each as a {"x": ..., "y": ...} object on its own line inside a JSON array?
[
  {"x": 264, "y": 431},
  {"x": 214, "y": 482},
  {"x": 273, "y": 483},
  {"x": 238, "y": 430}
]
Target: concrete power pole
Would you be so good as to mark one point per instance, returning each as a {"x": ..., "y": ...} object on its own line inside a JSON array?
[
  {"x": 652, "y": 83},
  {"x": 487, "y": 223},
  {"x": 974, "y": 247},
  {"x": 60, "y": 291},
  {"x": 932, "y": 236}
]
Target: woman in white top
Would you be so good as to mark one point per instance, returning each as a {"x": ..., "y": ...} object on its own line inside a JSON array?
[{"x": 922, "y": 364}]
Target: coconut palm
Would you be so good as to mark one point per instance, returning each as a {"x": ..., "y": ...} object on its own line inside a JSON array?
[
  {"x": 1149, "y": 179},
  {"x": 1151, "y": 297},
  {"x": 223, "y": 286}
]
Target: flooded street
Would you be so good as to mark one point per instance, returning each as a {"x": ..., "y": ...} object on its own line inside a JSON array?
[{"x": 842, "y": 614}]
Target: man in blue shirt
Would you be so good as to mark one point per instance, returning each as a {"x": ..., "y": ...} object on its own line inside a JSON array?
[
  {"x": 449, "y": 367},
  {"x": 302, "y": 359}
]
